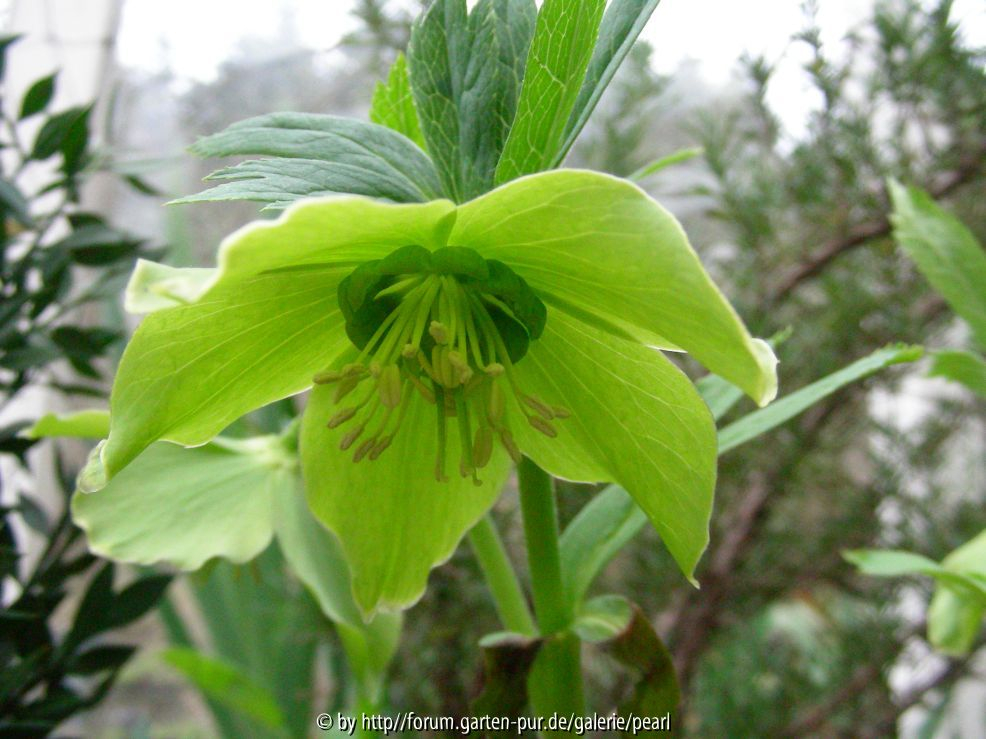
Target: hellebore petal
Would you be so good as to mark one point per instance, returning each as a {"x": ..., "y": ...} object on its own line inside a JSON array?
[
  {"x": 395, "y": 522},
  {"x": 602, "y": 250},
  {"x": 153, "y": 287},
  {"x": 186, "y": 506},
  {"x": 635, "y": 419},
  {"x": 267, "y": 322}
]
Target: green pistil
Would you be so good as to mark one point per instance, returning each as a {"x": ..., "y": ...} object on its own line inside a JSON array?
[{"x": 437, "y": 338}]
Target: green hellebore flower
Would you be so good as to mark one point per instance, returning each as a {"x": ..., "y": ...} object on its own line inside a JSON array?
[{"x": 528, "y": 317}]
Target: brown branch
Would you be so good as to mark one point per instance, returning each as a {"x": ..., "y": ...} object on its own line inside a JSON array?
[{"x": 865, "y": 232}]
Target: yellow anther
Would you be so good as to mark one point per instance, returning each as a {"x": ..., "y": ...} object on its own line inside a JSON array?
[
  {"x": 346, "y": 385},
  {"x": 497, "y": 405},
  {"x": 495, "y": 369},
  {"x": 363, "y": 449},
  {"x": 543, "y": 426},
  {"x": 327, "y": 377},
  {"x": 381, "y": 446},
  {"x": 538, "y": 407},
  {"x": 438, "y": 332},
  {"x": 482, "y": 448},
  {"x": 341, "y": 417},
  {"x": 409, "y": 351},
  {"x": 350, "y": 438},
  {"x": 389, "y": 386},
  {"x": 507, "y": 439}
]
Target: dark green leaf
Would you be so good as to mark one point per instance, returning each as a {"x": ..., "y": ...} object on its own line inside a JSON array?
[
  {"x": 316, "y": 155},
  {"x": 33, "y": 514},
  {"x": 564, "y": 37},
  {"x": 437, "y": 57},
  {"x": 95, "y": 244},
  {"x": 90, "y": 618},
  {"x": 500, "y": 33},
  {"x": 38, "y": 96},
  {"x": 620, "y": 27},
  {"x": 137, "y": 599},
  {"x": 12, "y": 201},
  {"x": 100, "y": 659},
  {"x": 66, "y": 133},
  {"x": 5, "y": 43}
]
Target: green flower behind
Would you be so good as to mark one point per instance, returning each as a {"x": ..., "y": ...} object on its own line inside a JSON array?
[{"x": 443, "y": 340}]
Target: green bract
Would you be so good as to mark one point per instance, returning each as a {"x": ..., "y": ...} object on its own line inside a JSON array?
[{"x": 530, "y": 314}]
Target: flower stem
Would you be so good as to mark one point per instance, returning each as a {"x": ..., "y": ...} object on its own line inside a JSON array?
[
  {"x": 511, "y": 605},
  {"x": 537, "y": 502},
  {"x": 555, "y": 683}
]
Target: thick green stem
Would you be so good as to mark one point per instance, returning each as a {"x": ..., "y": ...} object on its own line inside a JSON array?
[
  {"x": 508, "y": 597},
  {"x": 555, "y": 683},
  {"x": 537, "y": 502}
]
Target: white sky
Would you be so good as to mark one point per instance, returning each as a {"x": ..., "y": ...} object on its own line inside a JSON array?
[
  {"x": 194, "y": 36},
  {"x": 157, "y": 35}
]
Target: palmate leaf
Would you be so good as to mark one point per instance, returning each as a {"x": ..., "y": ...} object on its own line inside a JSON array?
[
  {"x": 563, "y": 43},
  {"x": 393, "y": 103},
  {"x": 620, "y": 27},
  {"x": 316, "y": 155},
  {"x": 466, "y": 73}
]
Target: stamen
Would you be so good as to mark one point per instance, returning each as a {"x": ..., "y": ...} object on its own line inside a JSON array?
[{"x": 440, "y": 338}]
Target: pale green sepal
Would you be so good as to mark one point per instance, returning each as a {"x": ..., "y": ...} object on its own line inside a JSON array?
[
  {"x": 602, "y": 244},
  {"x": 338, "y": 231},
  {"x": 88, "y": 424},
  {"x": 315, "y": 556},
  {"x": 155, "y": 286},
  {"x": 394, "y": 521},
  {"x": 317, "y": 559},
  {"x": 186, "y": 506},
  {"x": 635, "y": 420},
  {"x": 266, "y": 325}
]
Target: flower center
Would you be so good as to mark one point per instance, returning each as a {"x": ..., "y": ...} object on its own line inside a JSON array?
[{"x": 450, "y": 326}]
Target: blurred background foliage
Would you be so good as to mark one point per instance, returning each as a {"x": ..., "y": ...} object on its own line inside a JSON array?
[{"x": 784, "y": 638}]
